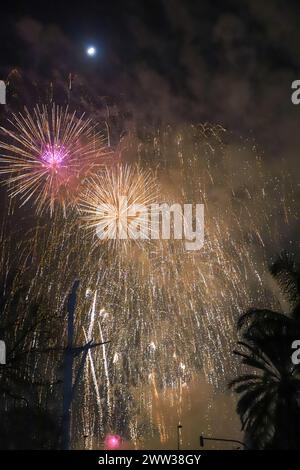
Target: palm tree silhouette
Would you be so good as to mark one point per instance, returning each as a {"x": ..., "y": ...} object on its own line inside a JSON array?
[{"x": 269, "y": 402}]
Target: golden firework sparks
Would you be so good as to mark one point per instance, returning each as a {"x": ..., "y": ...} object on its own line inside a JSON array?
[
  {"x": 47, "y": 153},
  {"x": 115, "y": 204},
  {"x": 170, "y": 315}
]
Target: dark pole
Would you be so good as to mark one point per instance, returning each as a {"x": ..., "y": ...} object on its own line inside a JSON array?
[
  {"x": 179, "y": 427},
  {"x": 202, "y": 438},
  {"x": 70, "y": 352},
  {"x": 68, "y": 369}
]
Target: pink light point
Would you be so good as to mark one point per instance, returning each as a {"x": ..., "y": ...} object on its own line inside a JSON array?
[
  {"x": 112, "y": 441},
  {"x": 53, "y": 155}
]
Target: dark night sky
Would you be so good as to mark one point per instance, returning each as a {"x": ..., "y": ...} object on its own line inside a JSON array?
[{"x": 229, "y": 62}]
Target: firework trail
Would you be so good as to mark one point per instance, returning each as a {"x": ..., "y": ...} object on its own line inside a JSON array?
[{"x": 47, "y": 154}]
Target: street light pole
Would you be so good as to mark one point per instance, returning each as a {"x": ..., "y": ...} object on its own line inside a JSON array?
[
  {"x": 202, "y": 438},
  {"x": 179, "y": 427},
  {"x": 68, "y": 369}
]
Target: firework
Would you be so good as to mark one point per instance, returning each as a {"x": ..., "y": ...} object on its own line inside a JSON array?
[
  {"x": 169, "y": 314},
  {"x": 112, "y": 442},
  {"x": 47, "y": 154},
  {"x": 115, "y": 204}
]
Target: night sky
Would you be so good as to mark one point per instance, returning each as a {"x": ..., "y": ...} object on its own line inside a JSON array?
[{"x": 226, "y": 62}]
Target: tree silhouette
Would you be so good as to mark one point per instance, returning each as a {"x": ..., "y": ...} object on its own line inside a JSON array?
[
  {"x": 269, "y": 401},
  {"x": 27, "y": 421}
]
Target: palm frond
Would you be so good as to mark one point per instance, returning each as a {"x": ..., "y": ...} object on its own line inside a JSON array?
[{"x": 287, "y": 275}]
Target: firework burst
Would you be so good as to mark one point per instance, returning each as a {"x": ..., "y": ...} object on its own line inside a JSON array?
[
  {"x": 47, "y": 154},
  {"x": 115, "y": 204}
]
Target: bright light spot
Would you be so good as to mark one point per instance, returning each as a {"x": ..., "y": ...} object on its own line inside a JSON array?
[
  {"x": 91, "y": 51},
  {"x": 53, "y": 155},
  {"x": 116, "y": 358},
  {"x": 112, "y": 441},
  {"x": 88, "y": 293},
  {"x": 103, "y": 313}
]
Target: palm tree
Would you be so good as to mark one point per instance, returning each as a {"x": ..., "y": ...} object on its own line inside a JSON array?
[
  {"x": 287, "y": 275},
  {"x": 269, "y": 402}
]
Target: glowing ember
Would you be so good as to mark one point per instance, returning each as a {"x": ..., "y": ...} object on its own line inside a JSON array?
[{"x": 112, "y": 441}]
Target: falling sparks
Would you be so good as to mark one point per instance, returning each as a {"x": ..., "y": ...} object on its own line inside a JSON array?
[{"x": 169, "y": 315}]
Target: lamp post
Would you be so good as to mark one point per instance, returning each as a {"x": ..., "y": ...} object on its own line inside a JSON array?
[
  {"x": 179, "y": 427},
  {"x": 202, "y": 438}
]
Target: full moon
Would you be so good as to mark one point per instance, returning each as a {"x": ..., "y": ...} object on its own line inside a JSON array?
[{"x": 91, "y": 51}]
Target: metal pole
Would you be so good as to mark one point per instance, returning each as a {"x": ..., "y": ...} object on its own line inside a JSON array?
[
  {"x": 202, "y": 438},
  {"x": 68, "y": 370},
  {"x": 179, "y": 427},
  {"x": 70, "y": 352}
]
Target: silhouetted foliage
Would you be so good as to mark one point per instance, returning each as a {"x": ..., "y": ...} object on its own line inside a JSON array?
[
  {"x": 27, "y": 420},
  {"x": 269, "y": 395},
  {"x": 28, "y": 428}
]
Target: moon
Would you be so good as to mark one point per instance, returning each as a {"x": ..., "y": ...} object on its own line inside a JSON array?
[{"x": 91, "y": 51}]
